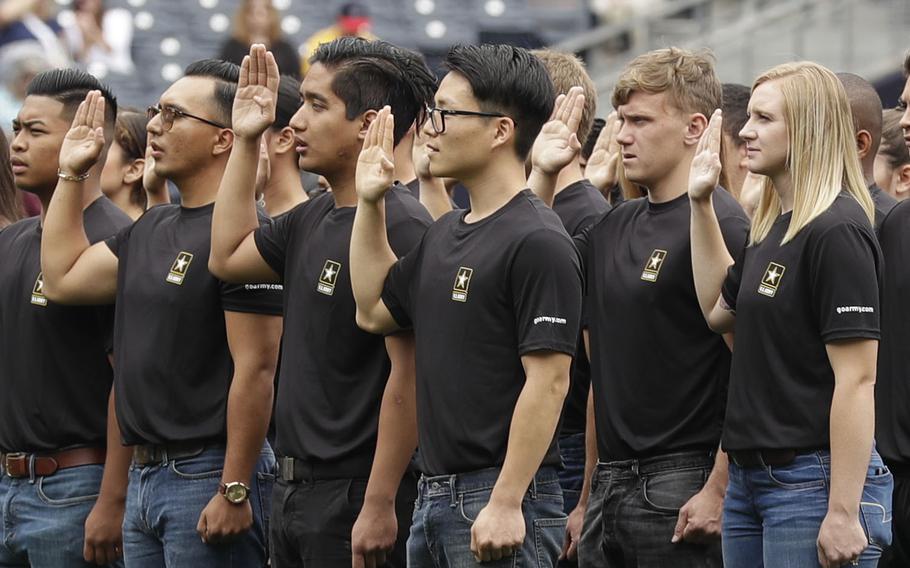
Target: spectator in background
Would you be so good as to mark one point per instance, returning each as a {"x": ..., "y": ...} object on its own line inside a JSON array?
[
  {"x": 257, "y": 21},
  {"x": 733, "y": 154},
  {"x": 121, "y": 178},
  {"x": 32, "y": 22},
  {"x": 18, "y": 66},
  {"x": 353, "y": 20},
  {"x": 892, "y": 162},
  {"x": 100, "y": 39},
  {"x": 10, "y": 203}
]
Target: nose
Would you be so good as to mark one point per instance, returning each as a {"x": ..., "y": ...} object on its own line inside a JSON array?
[
  {"x": 154, "y": 126},
  {"x": 298, "y": 122},
  {"x": 747, "y": 133},
  {"x": 427, "y": 128},
  {"x": 623, "y": 136}
]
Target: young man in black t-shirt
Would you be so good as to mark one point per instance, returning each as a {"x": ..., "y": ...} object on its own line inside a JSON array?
[
  {"x": 195, "y": 357},
  {"x": 494, "y": 297},
  {"x": 659, "y": 374},
  {"x": 334, "y": 376},
  {"x": 55, "y": 375}
]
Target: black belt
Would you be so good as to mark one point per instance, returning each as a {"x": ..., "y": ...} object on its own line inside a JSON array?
[
  {"x": 294, "y": 470},
  {"x": 765, "y": 458},
  {"x": 148, "y": 454}
]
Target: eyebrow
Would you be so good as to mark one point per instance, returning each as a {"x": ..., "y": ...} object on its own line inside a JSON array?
[
  {"x": 28, "y": 123},
  {"x": 316, "y": 96}
]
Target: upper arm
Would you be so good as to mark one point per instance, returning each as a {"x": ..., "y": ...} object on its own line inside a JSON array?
[
  {"x": 722, "y": 318},
  {"x": 549, "y": 367},
  {"x": 91, "y": 280},
  {"x": 853, "y": 360},
  {"x": 253, "y": 340},
  {"x": 401, "y": 350},
  {"x": 245, "y": 264}
]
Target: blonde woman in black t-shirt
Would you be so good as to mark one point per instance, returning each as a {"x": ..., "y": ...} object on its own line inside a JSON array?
[{"x": 806, "y": 485}]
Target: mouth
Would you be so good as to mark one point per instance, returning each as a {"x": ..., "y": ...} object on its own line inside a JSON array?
[
  {"x": 301, "y": 147},
  {"x": 751, "y": 150},
  {"x": 17, "y": 165},
  {"x": 157, "y": 152},
  {"x": 626, "y": 156}
]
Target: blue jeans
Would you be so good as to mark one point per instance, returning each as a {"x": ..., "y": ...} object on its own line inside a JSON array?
[
  {"x": 572, "y": 474},
  {"x": 43, "y": 520},
  {"x": 772, "y": 515},
  {"x": 447, "y": 506},
  {"x": 163, "y": 505}
]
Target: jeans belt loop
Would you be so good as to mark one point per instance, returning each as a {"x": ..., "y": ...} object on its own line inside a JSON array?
[
  {"x": 31, "y": 469},
  {"x": 635, "y": 468},
  {"x": 453, "y": 492},
  {"x": 532, "y": 490}
]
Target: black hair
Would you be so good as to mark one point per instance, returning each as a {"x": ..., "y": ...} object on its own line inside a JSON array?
[
  {"x": 508, "y": 80},
  {"x": 735, "y": 107},
  {"x": 372, "y": 74},
  {"x": 289, "y": 100},
  {"x": 70, "y": 87},
  {"x": 226, "y": 75},
  {"x": 588, "y": 147}
]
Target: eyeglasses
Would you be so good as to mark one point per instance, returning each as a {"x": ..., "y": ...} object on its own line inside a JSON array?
[
  {"x": 169, "y": 113},
  {"x": 437, "y": 116}
]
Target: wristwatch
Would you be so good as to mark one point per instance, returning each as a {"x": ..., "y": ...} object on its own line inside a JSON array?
[{"x": 235, "y": 492}]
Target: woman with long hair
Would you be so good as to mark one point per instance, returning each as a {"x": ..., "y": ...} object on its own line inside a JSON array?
[
  {"x": 806, "y": 486},
  {"x": 10, "y": 204},
  {"x": 121, "y": 178},
  {"x": 892, "y": 163},
  {"x": 258, "y": 21}
]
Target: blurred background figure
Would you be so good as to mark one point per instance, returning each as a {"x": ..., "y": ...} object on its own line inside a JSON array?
[
  {"x": 18, "y": 66},
  {"x": 121, "y": 178},
  {"x": 101, "y": 39},
  {"x": 892, "y": 162},
  {"x": 353, "y": 20},
  {"x": 733, "y": 148},
  {"x": 257, "y": 21},
  {"x": 10, "y": 203},
  {"x": 34, "y": 23}
]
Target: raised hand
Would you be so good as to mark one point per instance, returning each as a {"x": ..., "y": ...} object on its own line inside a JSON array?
[
  {"x": 705, "y": 170},
  {"x": 375, "y": 166},
  {"x": 83, "y": 143},
  {"x": 602, "y": 168},
  {"x": 257, "y": 93},
  {"x": 557, "y": 144}
]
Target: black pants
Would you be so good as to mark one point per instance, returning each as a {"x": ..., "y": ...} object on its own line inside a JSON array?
[
  {"x": 312, "y": 520},
  {"x": 898, "y": 556}
]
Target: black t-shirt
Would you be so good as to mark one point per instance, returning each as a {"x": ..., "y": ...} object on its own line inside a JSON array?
[
  {"x": 659, "y": 373},
  {"x": 414, "y": 187},
  {"x": 791, "y": 300},
  {"x": 173, "y": 368},
  {"x": 883, "y": 203},
  {"x": 55, "y": 377},
  {"x": 892, "y": 388},
  {"x": 332, "y": 373},
  {"x": 579, "y": 206},
  {"x": 479, "y": 296}
]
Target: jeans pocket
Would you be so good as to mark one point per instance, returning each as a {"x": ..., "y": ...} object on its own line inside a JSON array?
[
  {"x": 798, "y": 476},
  {"x": 875, "y": 507},
  {"x": 470, "y": 504},
  {"x": 668, "y": 491},
  {"x": 73, "y": 486},
  {"x": 265, "y": 483},
  {"x": 548, "y": 538},
  {"x": 198, "y": 467}
]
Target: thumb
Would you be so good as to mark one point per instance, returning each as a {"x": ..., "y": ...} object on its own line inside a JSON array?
[
  {"x": 357, "y": 561},
  {"x": 681, "y": 523},
  {"x": 202, "y": 525},
  {"x": 387, "y": 164}
]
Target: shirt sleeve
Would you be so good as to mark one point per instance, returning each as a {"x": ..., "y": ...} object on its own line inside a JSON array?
[
  {"x": 399, "y": 285},
  {"x": 546, "y": 286},
  {"x": 844, "y": 271},
  {"x": 265, "y": 298},
  {"x": 729, "y": 291},
  {"x": 118, "y": 240},
  {"x": 272, "y": 238}
]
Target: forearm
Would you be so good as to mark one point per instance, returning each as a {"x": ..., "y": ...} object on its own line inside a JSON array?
[
  {"x": 710, "y": 258},
  {"x": 248, "y": 411},
  {"x": 434, "y": 197},
  {"x": 534, "y": 422},
  {"x": 717, "y": 479},
  {"x": 117, "y": 460},
  {"x": 590, "y": 451},
  {"x": 852, "y": 427},
  {"x": 14, "y": 10},
  {"x": 543, "y": 185},
  {"x": 63, "y": 237},
  {"x": 235, "y": 215},
  {"x": 371, "y": 258}
]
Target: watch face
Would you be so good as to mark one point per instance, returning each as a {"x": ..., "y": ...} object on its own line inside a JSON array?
[{"x": 236, "y": 493}]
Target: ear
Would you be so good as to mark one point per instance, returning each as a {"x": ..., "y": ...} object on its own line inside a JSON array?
[
  {"x": 902, "y": 183},
  {"x": 696, "y": 126},
  {"x": 223, "y": 142},
  {"x": 504, "y": 132},
  {"x": 283, "y": 141},
  {"x": 365, "y": 120},
  {"x": 863, "y": 143},
  {"x": 133, "y": 171}
]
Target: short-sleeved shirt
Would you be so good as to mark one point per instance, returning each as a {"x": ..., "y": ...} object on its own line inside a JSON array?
[
  {"x": 173, "y": 368},
  {"x": 579, "y": 205},
  {"x": 54, "y": 370},
  {"x": 883, "y": 203},
  {"x": 892, "y": 388},
  {"x": 332, "y": 373},
  {"x": 659, "y": 373},
  {"x": 790, "y": 301},
  {"x": 480, "y": 296}
]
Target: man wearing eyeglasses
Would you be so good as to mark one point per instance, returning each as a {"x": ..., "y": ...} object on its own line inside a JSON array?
[
  {"x": 494, "y": 297},
  {"x": 195, "y": 357}
]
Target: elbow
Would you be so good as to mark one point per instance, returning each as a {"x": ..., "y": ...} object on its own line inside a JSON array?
[
  {"x": 367, "y": 323},
  {"x": 559, "y": 386},
  {"x": 52, "y": 290},
  {"x": 218, "y": 267}
]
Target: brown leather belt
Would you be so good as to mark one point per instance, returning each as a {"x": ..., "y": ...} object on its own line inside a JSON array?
[
  {"x": 21, "y": 464},
  {"x": 149, "y": 454},
  {"x": 763, "y": 458}
]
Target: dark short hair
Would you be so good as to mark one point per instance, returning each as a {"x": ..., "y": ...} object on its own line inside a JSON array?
[
  {"x": 736, "y": 110},
  {"x": 289, "y": 101},
  {"x": 70, "y": 87},
  {"x": 907, "y": 65},
  {"x": 893, "y": 146},
  {"x": 372, "y": 74},
  {"x": 508, "y": 80},
  {"x": 596, "y": 127},
  {"x": 131, "y": 135},
  {"x": 226, "y": 75}
]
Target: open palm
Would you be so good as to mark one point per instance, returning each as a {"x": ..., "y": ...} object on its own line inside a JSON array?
[
  {"x": 557, "y": 143},
  {"x": 375, "y": 168},
  {"x": 257, "y": 93},
  {"x": 602, "y": 169},
  {"x": 83, "y": 143},
  {"x": 705, "y": 170}
]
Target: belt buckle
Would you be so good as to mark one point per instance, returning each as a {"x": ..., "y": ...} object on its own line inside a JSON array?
[
  {"x": 14, "y": 456},
  {"x": 142, "y": 454},
  {"x": 286, "y": 468}
]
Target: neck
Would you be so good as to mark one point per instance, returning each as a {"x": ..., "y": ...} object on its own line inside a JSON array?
[
  {"x": 122, "y": 199},
  {"x": 673, "y": 185},
  {"x": 784, "y": 188},
  {"x": 284, "y": 191},
  {"x": 493, "y": 186},
  {"x": 404, "y": 163},
  {"x": 343, "y": 189},
  {"x": 569, "y": 175},
  {"x": 868, "y": 175},
  {"x": 200, "y": 188},
  {"x": 90, "y": 193}
]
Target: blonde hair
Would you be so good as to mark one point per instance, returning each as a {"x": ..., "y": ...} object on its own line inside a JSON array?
[
  {"x": 241, "y": 28},
  {"x": 821, "y": 154},
  {"x": 566, "y": 70},
  {"x": 688, "y": 78}
]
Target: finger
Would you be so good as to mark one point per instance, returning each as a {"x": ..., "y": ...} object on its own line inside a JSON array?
[
  {"x": 495, "y": 553},
  {"x": 357, "y": 561},
  {"x": 388, "y": 140},
  {"x": 575, "y": 112},
  {"x": 262, "y": 77},
  {"x": 79, "y": 118},
  {"x": 88, "y": 552},
  {"x": 273, "y": 74},
  {"x": 681, "y": 522},
  {"x": 716, "y": 130},
  {"x": 572, "y": 553},
  {"x": 556, "y": 105},
  {"x": 104, "y": 555},
  {"x": 201, "y": 527},
  {"x": 244, "y": 80},
  {"x": 254, "y": 65},
  {"x": 565, "y": 107},
  {"x": 98, "y": 118}
]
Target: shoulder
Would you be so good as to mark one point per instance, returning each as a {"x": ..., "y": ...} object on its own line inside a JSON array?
[
  {"x": 103, "y": 214},
  {"x": 13, "y": 231},
  {"x": 725, "y": 205},
  {"x": 402, "y": 205},
  {"x": 897, "y": 219}
]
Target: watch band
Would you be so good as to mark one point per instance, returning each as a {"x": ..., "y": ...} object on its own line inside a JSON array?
[
  {"x": 226, "y": 490},
  {"x": 70, "y": 177}
]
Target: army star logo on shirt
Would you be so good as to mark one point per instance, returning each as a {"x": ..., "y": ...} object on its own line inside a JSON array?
[
  {"x": 771, "y": 280},
  {"x": 38, "y": 297},
  {"x": 179, "y": 268},
  {"x": 328, "y": 277},
  {"x": 462, "y": 283},
  {"x": 653, "y": 265}
]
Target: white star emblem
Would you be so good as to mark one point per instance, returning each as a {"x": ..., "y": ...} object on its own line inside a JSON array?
[
  {"x": 181, "y": 265},
  {"x": 655, "y": 260},
  {"x": 773, "y": 275},
  {"x": 329, "y": 273},
  {"x": 462, "y": 280},
  {"x": 39, "y": 286}
]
